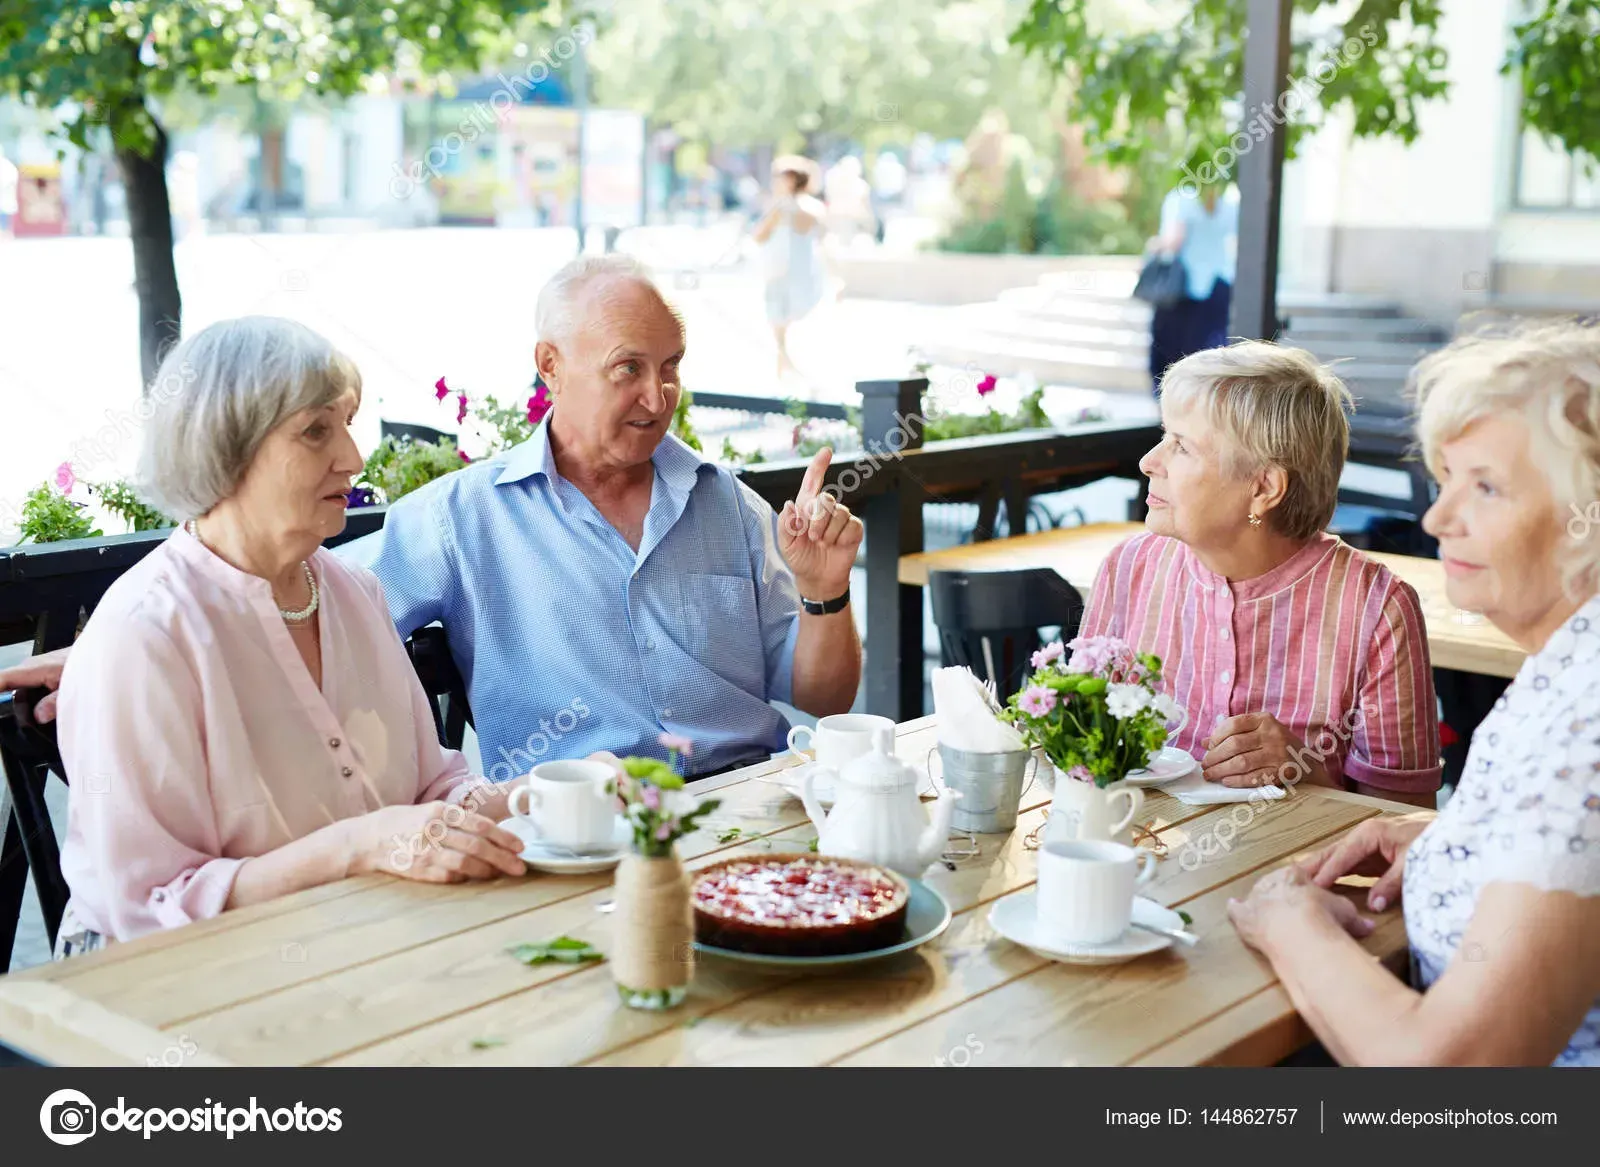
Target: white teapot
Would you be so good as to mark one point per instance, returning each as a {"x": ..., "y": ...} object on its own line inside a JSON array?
[{"x": 877, "y": 816}]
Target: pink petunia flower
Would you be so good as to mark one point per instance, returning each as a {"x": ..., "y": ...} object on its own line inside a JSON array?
[
  {"x": 664, "y": 831},
  {"x": 538, "y": 405},
  {"x": 1047, "y": 654},
  {"x": 461, "y": 413},
  {"x": 986, "y": 386},
  {"x": 672, "y": 741},
  {"x": 651, "y": 796},
  {"x": 440, "y": 389},
  {"x": 1080, "y": 774},
  {"x": 1037, "y": 700},
  {"x": 65, "y": 478}
]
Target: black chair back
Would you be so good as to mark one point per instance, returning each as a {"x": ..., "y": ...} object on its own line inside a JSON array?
[
  {"x": 990, "y": 620},
  {"x": 28, "y": 755},
  {"x": 429, "y": 650}
]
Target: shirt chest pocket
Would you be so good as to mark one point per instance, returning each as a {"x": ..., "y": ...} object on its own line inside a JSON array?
[{"x": 721, "y": 629}]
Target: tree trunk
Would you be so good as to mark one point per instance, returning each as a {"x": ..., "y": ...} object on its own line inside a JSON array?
[{"x": 144, "y": 182}]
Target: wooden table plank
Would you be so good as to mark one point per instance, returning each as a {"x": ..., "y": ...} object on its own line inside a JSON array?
[
  {"x": 817, "y": 1020},
  {"x": 1075, "y": 1015},
  {"x": 1077, "y": 552},
  {"x": 585, "y": 1026}
]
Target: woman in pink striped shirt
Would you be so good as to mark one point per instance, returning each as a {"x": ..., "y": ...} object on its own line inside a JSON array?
[{"x": 1298, "y": 658}]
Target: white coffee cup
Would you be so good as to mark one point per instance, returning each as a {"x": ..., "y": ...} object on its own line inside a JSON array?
[
  {"x": 1086, "y": 889},
  {"x": 569, "y": 804},
  {"x": 840, "y": 737}
]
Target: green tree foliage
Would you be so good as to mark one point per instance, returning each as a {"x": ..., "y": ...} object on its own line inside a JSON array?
[
  {"x": 1383, "y": 61},
  {"x": 1556, "y": 51},
  {"x": 109, "y": 66},
  {"x": 1379, "y": 59},
  {"x": 789, "y": 72}
]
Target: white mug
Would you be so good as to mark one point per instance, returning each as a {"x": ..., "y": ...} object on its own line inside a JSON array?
[
  {"x": 570, "y": 804},
  {"x": 840, "y": 737},
  {"x": 1085, "y": 893}
]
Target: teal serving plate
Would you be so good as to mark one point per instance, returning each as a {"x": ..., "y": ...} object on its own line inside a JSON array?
[{"x": 927, "y": 916}]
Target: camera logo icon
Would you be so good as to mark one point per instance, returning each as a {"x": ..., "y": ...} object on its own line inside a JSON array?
[{"x": 67, "y": 1117}]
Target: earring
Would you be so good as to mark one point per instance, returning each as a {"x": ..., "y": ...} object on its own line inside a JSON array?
[{"x": 1255, "y": 519}]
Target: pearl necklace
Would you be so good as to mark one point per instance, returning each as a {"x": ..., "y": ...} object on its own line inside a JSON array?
[{"x": 303, "y": 614}]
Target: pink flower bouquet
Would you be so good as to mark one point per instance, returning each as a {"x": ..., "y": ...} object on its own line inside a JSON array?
[{"x": 1095, "y": 707}]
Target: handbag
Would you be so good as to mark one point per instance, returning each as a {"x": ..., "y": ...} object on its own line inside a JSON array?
[{"x": 1162, "y": 281}]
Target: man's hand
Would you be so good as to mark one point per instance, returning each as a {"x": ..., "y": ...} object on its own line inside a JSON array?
[
  {"x": 818, "y": 535},
  {"x": 1251, "y": 749},
  {"x": 38, "y": 672}
]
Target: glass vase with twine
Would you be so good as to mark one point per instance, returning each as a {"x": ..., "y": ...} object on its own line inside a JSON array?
[{"x": 652, "y": 948}]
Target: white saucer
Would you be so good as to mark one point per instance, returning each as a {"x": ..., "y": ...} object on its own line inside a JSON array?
[
  {"x": 544, "y": 857},
  {"x": 1167, "y": 766},
  {"x": 793, "y": 779},
  {"x": 1016, "y": 918}
]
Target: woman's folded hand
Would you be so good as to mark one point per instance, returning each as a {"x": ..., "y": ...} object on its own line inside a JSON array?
[{"x": 434, "y": 842}]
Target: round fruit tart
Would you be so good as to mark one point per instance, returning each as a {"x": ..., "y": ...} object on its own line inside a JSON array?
[{"x": 799, "y": 905}]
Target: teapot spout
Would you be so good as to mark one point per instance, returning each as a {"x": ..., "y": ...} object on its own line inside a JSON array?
[
  {"x": 937, "y": 835},
  {"x": 808, "y": 798}
]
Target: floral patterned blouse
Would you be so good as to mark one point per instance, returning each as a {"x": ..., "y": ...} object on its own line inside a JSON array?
[{"x": 1527, "y": 809}]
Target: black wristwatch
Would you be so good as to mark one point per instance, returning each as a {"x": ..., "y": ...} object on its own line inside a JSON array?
[{"x": 826, "y": 607}]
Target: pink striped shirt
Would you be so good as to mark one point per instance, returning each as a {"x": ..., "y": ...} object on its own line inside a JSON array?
[{"x": 1323, "y": 634}]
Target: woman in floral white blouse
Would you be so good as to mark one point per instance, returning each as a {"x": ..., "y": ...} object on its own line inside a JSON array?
[{"x": 1502, "y": 888}]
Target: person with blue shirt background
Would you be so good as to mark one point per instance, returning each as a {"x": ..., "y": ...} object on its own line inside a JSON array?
[{"x": 1200, "y": 226}]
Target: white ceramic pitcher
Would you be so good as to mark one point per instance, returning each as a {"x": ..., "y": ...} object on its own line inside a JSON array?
[{"x": 1084, "y": 812}]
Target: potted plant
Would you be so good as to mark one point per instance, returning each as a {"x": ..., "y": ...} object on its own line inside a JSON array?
[
  {"x": 1098, "y": 714},
  {"x": 652, "y": 958}
]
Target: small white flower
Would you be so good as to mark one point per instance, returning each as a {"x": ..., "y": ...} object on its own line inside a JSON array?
[
  {"x": 1125, "y": 701},
  {"x": 1168, "y": 707},
  {"x": 678, "y": 802}
]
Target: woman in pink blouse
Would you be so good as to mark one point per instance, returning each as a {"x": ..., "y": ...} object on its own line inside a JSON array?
[
  {"x": 1298, "y": 658},
  {"x": 239, "y": 718}
]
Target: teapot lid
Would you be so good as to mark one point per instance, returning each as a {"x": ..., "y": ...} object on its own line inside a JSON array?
[{"x": 879, "y": 769}]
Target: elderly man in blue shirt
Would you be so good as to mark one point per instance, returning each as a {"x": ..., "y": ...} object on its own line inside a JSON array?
[{"x": 602, "y": 584}]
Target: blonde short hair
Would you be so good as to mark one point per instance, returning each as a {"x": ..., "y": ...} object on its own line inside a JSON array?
[
  {"x": 1276, "y": 406},
  {"x": 1548, "y": 375},
  {"x": 217, "y": 396}
]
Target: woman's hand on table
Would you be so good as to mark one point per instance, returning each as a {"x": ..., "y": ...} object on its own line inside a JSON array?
[
  {"x": 1376, "y": 847},
  {"x": 1252, "y": 749},
  {"x": 433, "y": 842},
  {"x": 1286, "y": 898}
]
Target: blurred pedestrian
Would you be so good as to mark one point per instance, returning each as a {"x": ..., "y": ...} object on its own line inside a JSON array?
[
  {"x": 790, "y": 237},
  {"x": 1200, "y": 227}
]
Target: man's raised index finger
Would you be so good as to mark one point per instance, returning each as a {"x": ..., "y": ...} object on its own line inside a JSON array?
[{"x": 815, "y": 473}]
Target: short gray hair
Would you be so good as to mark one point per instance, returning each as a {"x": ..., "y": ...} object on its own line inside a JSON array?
[
  {"x": 1277, "y": 406},
  {"x": 1548, "y": 374},
  {"x": 554, "y": 314},
  {"x": 217, "y": 396}
]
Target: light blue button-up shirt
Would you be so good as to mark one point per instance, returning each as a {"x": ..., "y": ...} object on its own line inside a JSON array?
[
  {"x": 1210, "y": 241},
  {"x": 569, "y": 640}
]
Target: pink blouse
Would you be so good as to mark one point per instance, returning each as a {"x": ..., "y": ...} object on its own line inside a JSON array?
[
  {"x": 1329, "y": 642},
  {"x": 195, "y": 738}
]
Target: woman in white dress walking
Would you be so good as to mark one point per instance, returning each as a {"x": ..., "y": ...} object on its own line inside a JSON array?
[{"x": 790, "y": 235}]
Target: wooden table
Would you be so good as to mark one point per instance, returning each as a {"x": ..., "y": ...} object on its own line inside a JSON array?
[
  {"x": 1076, "y": 553},
  {"x": 378, "y": 970}
]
